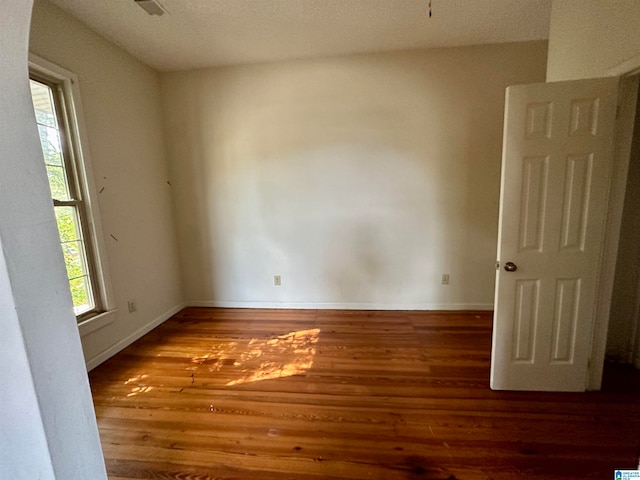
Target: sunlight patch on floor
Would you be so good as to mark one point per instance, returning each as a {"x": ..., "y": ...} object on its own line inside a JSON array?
[
  {"x": 140, "y": 387},
  {"x": 263, "y": 359}
]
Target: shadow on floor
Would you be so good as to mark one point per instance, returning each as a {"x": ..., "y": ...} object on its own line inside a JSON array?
[{"x": 620, "y": 378}]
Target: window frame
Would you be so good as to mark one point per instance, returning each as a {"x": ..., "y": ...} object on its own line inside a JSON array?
[{"x": 82, "y": 186}]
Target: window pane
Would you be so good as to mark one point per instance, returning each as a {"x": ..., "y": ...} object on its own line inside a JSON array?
[
  {"x": 68, "y": 225},
  {"x": 50, "y": 142},
  {"x": 49, "y": 133},
  {"x": 43, "y": 104},
  {"x": 81, "y": 294},
  {"x": 57, "y": 183},
  {"x": 74, "y": 259}
]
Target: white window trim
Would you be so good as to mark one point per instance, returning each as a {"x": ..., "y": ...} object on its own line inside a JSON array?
[
  {"x": 71, "y": 89},
  {"x": 96, "y": 322}
]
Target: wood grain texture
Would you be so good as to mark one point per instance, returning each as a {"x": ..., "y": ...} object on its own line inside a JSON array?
[{"x": 315, "y": 394}]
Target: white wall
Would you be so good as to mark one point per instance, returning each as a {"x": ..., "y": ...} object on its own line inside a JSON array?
[
  {"x": 23, "y": 442},
  {"x": 47, "y": 423},
  {"x": 359, "y": 179},
  {"x": 588, "y": 37},
  {"x": 123, "y": 117}
]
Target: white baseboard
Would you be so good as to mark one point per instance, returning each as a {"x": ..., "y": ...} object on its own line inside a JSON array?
[
  {"x": 342, "y": 306},
  {"x": 125, "y": 342}
]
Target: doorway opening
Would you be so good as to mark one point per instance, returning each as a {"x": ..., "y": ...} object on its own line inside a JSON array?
[{"x": 623, "y": 337}]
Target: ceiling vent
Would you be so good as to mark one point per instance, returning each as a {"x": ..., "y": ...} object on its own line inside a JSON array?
[{"x": 152, "y": 7}]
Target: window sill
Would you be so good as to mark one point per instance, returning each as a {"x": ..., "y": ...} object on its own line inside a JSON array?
[{"x": 96, "y": 323}]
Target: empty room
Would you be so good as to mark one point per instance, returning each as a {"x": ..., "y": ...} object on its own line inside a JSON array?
[{"x": 320, "y": 239}]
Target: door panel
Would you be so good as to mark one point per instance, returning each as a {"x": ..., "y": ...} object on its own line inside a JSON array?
[
  {"x": 565, "y": 320},
  {"x": 534, "y": 192},
  {"x": 527, "y": 294},
  {"x": 576, "y": 201},
  {"x": 556, "y": 169}
]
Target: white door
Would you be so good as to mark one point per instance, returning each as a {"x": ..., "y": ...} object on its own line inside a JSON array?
[{"x": 556, "y": 170}]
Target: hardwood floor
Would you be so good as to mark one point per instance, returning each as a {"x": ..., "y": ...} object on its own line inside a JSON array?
[{"x": 316, "y": 394}]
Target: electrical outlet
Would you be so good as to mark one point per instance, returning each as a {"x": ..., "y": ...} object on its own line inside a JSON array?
[
  {"x": 132, "y": 306},
  {"x": 445, "y": 279},
  {"x": 277, "y": 281}
]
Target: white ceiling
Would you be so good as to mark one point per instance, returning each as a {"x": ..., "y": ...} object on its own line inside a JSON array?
[{"x": 203, "y": 33}]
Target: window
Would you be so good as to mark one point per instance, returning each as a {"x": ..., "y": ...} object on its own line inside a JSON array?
[{"x": 52, "y": 93}]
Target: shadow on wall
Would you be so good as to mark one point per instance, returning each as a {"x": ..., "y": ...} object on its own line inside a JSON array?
[
  {"x": 345, "y": 223},
  {"x": 191, "y": 187},
  {"x": 362, "y": 275}
]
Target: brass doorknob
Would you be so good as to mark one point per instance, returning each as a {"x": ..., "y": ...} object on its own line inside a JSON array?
[{"x": 510, "y": 267}]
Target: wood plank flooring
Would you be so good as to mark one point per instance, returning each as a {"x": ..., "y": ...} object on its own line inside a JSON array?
[{"x": 315, "y": 394}]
